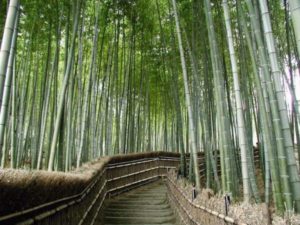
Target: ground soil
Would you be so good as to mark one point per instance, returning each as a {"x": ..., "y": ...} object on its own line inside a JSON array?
[{"x": 249, "y": 213}]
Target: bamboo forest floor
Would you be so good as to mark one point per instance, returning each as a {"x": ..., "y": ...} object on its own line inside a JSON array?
[
  {"x": 249, "y": 213},
  {"x": 147, "y": 205}
]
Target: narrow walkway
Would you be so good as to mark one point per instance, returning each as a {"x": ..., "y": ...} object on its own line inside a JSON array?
[{"x": 147, "y": 205}]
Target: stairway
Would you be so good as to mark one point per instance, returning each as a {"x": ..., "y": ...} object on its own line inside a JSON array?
[{"x": 147, "y": 205}]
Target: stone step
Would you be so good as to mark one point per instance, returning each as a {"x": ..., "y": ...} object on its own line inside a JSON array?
[
  {"x": 146, "y": 205},
  {"x": 144, "y": 195},
  {"x": 139, "y": 220},
  {"x": 143, "y": 207},
  {"x": 138, "y": 198},
  {"x": 147, "y": 224},
  {"x": 137, "y": 202},
  {"x": 138, "y": 213}
]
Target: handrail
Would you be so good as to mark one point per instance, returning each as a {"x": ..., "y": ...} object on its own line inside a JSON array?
[
  {"x": 185, "y": 210},
  {"x": 207, "y": 210},
  {"x": 133, "y": 162},
  {"x": 50, "y": 208},
  {"x": 111, "y": 178},
  {"x": 53, "y": 204}
]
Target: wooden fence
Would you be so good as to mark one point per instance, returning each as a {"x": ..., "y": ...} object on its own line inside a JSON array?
[{"x": 119, "y": 174}]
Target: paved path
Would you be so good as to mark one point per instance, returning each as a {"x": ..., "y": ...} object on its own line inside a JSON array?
[{"x": 147, "y": 205}]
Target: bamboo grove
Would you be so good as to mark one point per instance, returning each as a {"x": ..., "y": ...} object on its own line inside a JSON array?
[{"x": 83, "y": 79}]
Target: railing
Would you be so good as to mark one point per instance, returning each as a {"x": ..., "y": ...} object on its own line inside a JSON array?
[
  {"x": 118, "y": 175},
  {"x": 194, "y": 214},
  {"x": 69, "y": 210}
]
